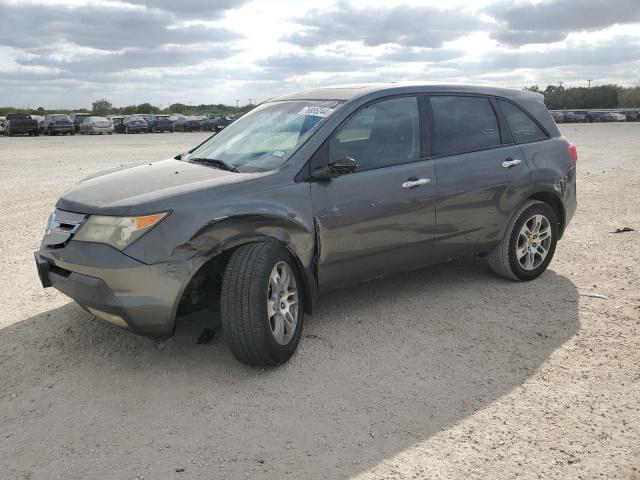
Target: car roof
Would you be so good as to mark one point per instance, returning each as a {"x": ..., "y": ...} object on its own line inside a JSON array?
[
  {"x": 361, "y": 93},
  {"x": 351, "y": 92}
]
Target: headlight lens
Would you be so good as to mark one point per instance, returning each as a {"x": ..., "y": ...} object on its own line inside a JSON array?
[{"x": 116, "y": 231}]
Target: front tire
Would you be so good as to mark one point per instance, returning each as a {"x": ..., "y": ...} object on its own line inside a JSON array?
[
  {"x": 528, "y": 244},
  {"x": 261, "y": 304}
]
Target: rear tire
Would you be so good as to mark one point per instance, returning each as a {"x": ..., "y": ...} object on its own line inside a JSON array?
[
  {"x": 260, "y": 302},
  {"x": 529, "y": 243}
]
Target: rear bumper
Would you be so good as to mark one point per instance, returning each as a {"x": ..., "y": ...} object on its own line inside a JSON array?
[
  {"x": 23, "y": 128},
  {"x": 100, "y": 129},
  {"x": 61, "y": 128},
  {"x": 110, "y": 285}
]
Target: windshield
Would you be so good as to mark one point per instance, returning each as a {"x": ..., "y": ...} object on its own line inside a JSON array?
[
  {"x": 60, "y": 117},
  {"x": 265, "y": 138}
]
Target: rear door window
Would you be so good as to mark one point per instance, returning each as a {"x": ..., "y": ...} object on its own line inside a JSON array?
[
  {"x": 523, "y": 128},
  {"x": 463, "y": 124}
]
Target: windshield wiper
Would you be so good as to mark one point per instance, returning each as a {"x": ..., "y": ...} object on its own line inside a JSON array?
[{"x": 214, "y": 162}]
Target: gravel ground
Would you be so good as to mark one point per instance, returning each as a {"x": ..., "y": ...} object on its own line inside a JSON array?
[{"x": 448, "y": 372}]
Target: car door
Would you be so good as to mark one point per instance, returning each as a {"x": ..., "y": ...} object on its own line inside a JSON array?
[
  {"x": 381, "y": 218},
  {"x": 482, "y": 174}
]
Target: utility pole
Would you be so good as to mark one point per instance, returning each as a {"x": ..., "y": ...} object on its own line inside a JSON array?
[
  {"x": 249, "y": 102},
  {"x": 590, "y": 80},
  {"x": 237, "y": 103}
]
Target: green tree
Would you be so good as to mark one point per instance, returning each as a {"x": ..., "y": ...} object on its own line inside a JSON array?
[
  {"x": 179, "y": 108},
  {"x": 128, "y": 110},
  {"x": 603, "y": 96},
  {"x": 629, "y": 97},
  {"x": 102, "y": 107},
  {"x": 147, "y": 108}
]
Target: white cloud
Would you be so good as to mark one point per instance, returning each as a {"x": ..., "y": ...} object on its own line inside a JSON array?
[{"x": 67, "y": 53}]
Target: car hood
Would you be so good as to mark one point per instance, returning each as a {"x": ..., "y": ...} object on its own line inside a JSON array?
[{"x": 146, "y": 188}]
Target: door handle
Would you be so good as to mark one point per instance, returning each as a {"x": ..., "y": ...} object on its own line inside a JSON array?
[
  {"x": 415, "y": 183},
  {"x": 510, "y": 162}
]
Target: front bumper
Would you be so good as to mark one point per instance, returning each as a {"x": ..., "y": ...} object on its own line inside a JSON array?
[{"x": 113, "y": 286}]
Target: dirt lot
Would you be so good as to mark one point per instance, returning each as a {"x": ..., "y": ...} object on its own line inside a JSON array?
[{"x": 449, "y": 372}]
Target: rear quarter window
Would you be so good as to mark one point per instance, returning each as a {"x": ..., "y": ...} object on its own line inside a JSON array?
[{"x": 523, "y": 128}]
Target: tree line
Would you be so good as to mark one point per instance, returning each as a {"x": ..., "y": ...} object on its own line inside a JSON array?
[
  {"x": 556, "y": 97},
  {"x": 103, "y": 107}
]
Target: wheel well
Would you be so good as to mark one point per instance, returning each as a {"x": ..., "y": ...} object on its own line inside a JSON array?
[
  {"x": 204, "y": 288},
  {"x": 554, "y": 202}
]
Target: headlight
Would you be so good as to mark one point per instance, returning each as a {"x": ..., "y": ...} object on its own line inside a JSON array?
[{"x": 116, "y": 231}]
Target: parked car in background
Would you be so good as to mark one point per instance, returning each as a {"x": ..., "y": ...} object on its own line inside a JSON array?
[
  {"x": 174, "y": 117},
  {"x": 595, "y": 116},
  {"x": 147, "y": 119},
  {"x": 40, "y": 120},
  {"x": 77, "y": 119},
  {"x": 58, "y": 123},
  {"x": 311, "y": 192},
  {"x": 2, "y": 120},
  {"x": 188, "y": 124},
  {"x": 215, "y": 123},
  {"x": 159, "y": 123},
  {"x": 557, "y": 116},
  {"x": 616, "y": 117},
  {"x": 632, "y": 115},
  {"x": 134, "y": 124},
  {"x": 178, "y": 122},
  {"x": 96, "y": 125},
  {"x": 21, "y": 123},
  {"x": 118, "y": 125},
  {"x": 580, "y": 117},
  {"x": 568, "y": 117}
]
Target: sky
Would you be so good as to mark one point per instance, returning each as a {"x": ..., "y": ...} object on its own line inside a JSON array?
[{"x": 68, "y": 53}]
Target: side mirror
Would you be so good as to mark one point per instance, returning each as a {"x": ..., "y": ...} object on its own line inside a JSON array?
[
  {"x": 336, "y": 168},
  {"x": 181, "y": 156}
]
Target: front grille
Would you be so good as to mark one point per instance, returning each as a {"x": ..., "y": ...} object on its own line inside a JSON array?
[{"x": 61, "y": 228}]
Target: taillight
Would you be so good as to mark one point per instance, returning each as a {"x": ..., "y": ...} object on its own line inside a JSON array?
[{"x": 573, "y": 153}]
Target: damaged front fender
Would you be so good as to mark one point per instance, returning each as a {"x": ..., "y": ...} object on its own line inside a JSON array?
[{"x": 223, "y": 234}]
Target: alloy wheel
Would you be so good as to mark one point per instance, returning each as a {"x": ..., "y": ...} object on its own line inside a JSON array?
[
  {"x": 282, "y": 303},
  {"x": 534, "y": 241}
]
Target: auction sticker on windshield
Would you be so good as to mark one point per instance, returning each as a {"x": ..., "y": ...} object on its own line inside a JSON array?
[{"x": 316, "y": 111}]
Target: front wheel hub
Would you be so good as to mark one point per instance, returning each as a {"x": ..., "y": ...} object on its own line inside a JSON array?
[{"x": 282, "y": 303}]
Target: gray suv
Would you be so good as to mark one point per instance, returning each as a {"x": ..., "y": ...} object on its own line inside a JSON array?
[{"x": 309, "y": 192}]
